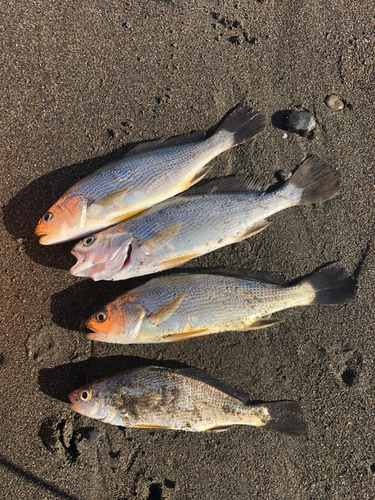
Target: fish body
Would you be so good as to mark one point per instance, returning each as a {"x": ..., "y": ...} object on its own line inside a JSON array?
[
  {"x": 147, "y": 175},
  {"x": 183, "y": 306},
  {"x": 175, "y": 231},
  {"x": 181, "y": 399}
]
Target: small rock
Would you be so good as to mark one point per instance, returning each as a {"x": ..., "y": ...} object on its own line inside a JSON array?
[
  {"x": 284, "y": 175},
  {"x": 334, "y": 103},
  {"x": 284, "y": 136},
  {"x": 301, "y": 122}
]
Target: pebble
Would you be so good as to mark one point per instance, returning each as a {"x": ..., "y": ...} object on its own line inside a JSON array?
[
  {"x": 284, "y": 175},
  {"x": 334, "y": 103},
  {"x": 301, "y": 122}
]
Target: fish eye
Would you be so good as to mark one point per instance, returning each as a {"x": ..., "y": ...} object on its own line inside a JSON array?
[
  {"x": 48, "y": 217},
  {"x": 101, "y": 317},
  {"x": 86, "y": 395},
  {"x": 89, "y": 241}
]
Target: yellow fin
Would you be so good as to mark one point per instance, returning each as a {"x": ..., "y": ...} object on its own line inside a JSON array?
[
  {"x": 162, "y": 238},
  {"x": 149, "y": 426},
  {"x": 167, "y": 264},
  {"x": 167, "y": 310},
  {"x": 178, "y": 337},
  {"x": 254, "y": 230},
  {"x": 120, "y": 218},
  {"x": 263, "y": 323},
  {"x": 198, "y": 176}
]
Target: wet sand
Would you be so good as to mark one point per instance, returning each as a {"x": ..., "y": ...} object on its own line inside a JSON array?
[{"x": 81, "y": 83}]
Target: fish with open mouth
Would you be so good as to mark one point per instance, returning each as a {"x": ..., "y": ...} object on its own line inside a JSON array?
[
  {"x": 182, "y": 399},
  {"x": 223, "y": 212},
  {"x": 148, "y": 174},
  {"x": 183, "y": 306}
]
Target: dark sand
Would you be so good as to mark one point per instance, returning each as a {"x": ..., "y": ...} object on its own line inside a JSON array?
[{"x": 80, "y": 82}]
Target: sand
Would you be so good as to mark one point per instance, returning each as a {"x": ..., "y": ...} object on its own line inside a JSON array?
[{"x": 82, "y": 81}]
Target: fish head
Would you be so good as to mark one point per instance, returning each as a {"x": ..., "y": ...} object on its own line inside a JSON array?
[
  {"x": 118, "y": 323},
  {"x": 102, "y": 255},
  {"x": 90, "y": 401},
  {"x": 63, "y": 222}
]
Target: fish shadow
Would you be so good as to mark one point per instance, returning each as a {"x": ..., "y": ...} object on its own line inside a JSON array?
[
  {"x": 22, "y": 213},
  {"x": 60, "y": 381},
  {"x": 79, "y": 301}
]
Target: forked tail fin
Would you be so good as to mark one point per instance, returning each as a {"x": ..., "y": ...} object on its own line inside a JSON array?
[
  {"x": 244, "y": 124},
  {"x": 285, "y": 417},
  {"x": 332, "y": 285},
  {"x": 317, "y": 181}
]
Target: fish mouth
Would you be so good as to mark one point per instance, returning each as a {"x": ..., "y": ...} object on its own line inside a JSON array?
[{"x": 97, "y": 336}]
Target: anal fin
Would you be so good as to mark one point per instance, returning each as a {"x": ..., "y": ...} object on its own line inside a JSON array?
[
  {"x": 164, "y": 312},
  {"x": 199, "y": 175},
  {"x": 254, "y": 230},
  {"x": 264, "y": 323}
]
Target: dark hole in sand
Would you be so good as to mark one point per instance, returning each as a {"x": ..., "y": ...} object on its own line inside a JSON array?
[
  {"x": 348, "y": 377},
  {"x": 155, "y": 492},
  {"x": 372, "y": 468}
]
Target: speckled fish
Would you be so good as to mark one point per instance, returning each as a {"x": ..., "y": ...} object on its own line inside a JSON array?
[
  {"x": 148, "y": 174},
  {"x": 183, "y": 399},
  {"x": 223, "y": 212},
  {"x": 182, "y": 306}
]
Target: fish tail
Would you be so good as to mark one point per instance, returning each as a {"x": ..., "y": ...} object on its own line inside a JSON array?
[
  {"x": 285, "y": 417},
  {"x": 317, "y": 181},
  {"x": 243, "y": 124},
  {"x": 332, "y": 285}
]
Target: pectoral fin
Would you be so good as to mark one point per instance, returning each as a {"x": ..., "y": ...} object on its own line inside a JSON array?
[
  {"x": 111, "y": 198},
  {"x": 254, "y": 230},
  {"x": 263, "y": 323},
  {"x": 167, "y": 310},
  {"x": 162, "y": 238},
  {"x": 178, "y": 337}
]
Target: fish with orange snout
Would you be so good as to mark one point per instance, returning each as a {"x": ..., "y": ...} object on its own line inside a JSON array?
[
  {"x": 182, "y": 399},
  {"x": 148, "y": 174},
  {"x": 184, "y": 306},
  {"x": 203, "y": 219}
]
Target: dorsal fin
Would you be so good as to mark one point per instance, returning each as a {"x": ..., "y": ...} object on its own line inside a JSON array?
[
  {"x": 212, "y": 381},
  {"x": 231, "y": 184},
  {"x": 178, "y": 140}
]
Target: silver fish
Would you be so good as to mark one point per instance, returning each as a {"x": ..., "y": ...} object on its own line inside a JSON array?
[
  {"x": 183, "y": 306},
  {"x": 219, "y": 214},
  {"x": 148, "y": 174},
  {"x": 183, "y": 399}
]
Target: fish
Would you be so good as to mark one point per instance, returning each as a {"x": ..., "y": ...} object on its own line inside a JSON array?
[
  {"x": 148, "y": 174},
  {"x": 182, "y": 399},
  {"x": 223, "y": 212},
  {"x": 182, "y": 306}
]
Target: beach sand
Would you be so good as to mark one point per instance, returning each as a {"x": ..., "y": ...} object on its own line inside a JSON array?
[{"x": 81, "y": 82}]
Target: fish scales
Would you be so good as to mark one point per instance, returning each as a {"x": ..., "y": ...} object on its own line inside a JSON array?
[
  {"x": 181, "y": 399},
  {"x": 189, "y": 225},
  {"x": 177, "y": 307},
  {"x": 148, "y": 174}
]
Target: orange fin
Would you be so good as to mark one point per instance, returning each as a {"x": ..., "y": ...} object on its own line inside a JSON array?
[
  {"x": 178, "y": 337},
  {"x": 254, "y": 230},
  {"x": 167, "y": 310},
  {"x": 162, "y": 238},
  {"x": 167, "y": 264},
  {"x": 264, "y": 323}
]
